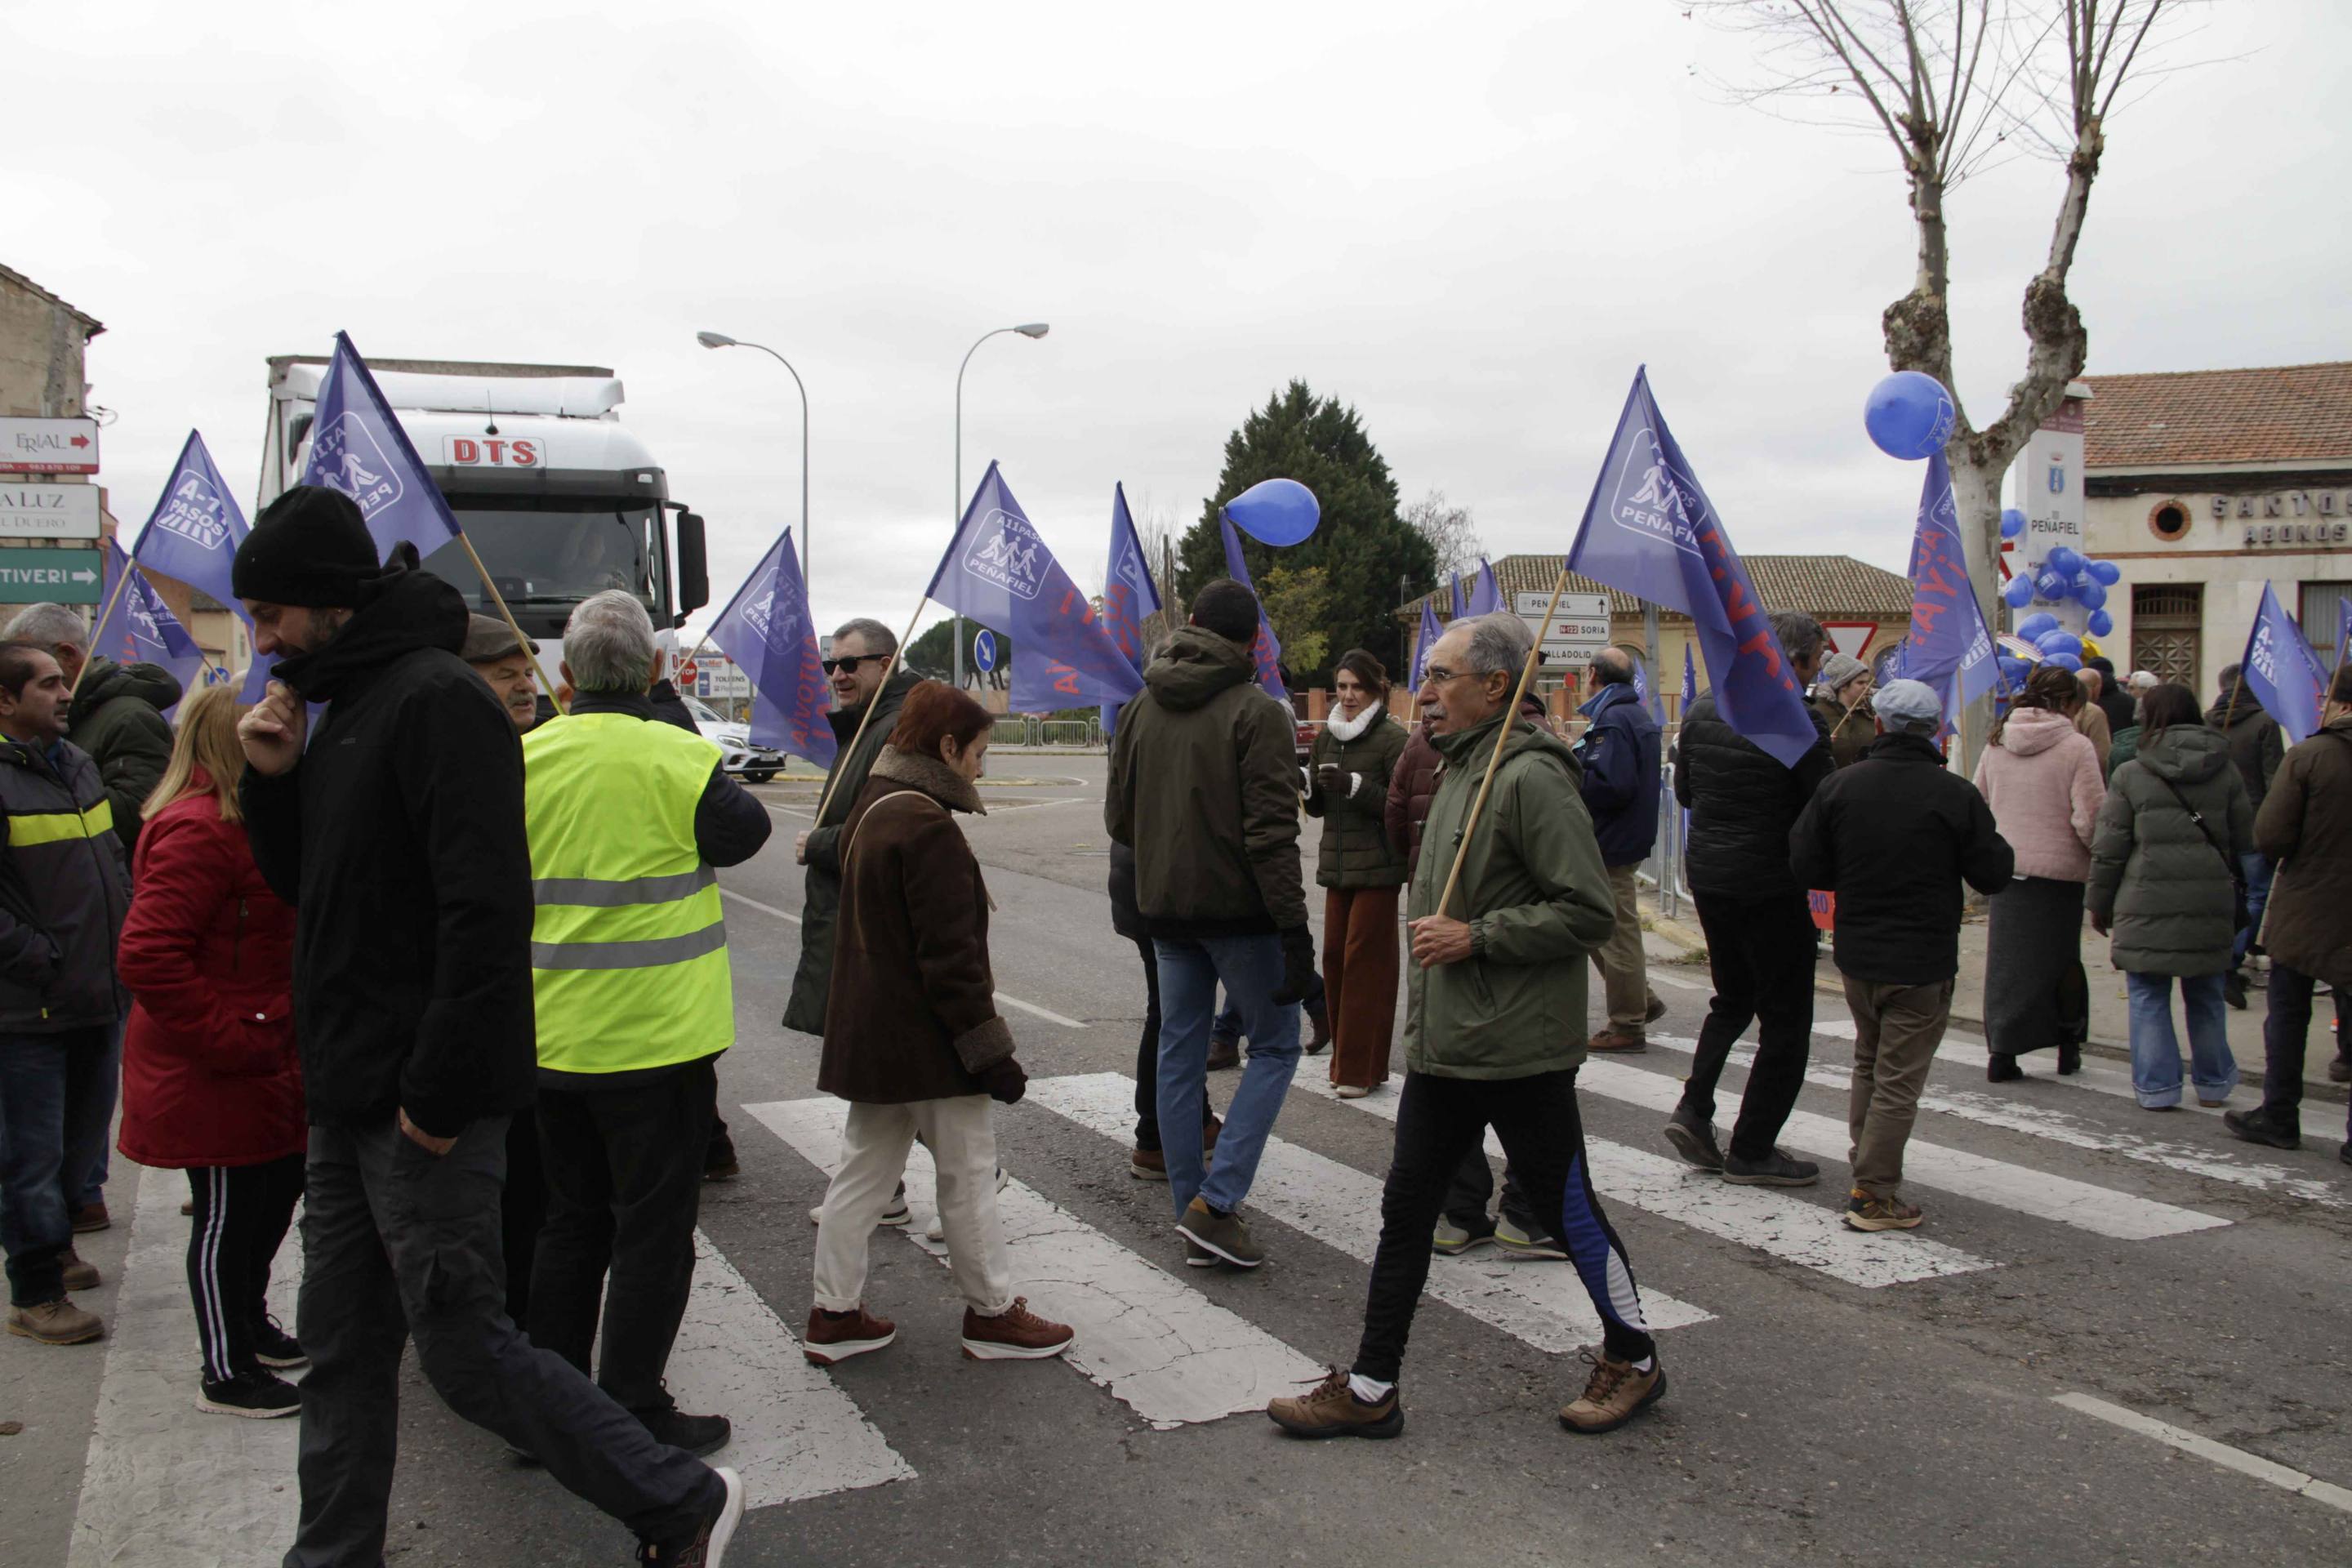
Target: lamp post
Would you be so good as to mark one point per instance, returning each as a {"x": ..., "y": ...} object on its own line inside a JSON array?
[
  {"x": 1027, "y": 330},
  {"x": 721, "y": 340}
]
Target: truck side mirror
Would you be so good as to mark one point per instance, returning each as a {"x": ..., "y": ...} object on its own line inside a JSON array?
[{"x": 693, "y": 565}]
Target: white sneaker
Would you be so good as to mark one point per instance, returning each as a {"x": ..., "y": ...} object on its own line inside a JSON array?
[
  {"x": 937, "y": 1230},
  {"x": 895, "y": 1215}
]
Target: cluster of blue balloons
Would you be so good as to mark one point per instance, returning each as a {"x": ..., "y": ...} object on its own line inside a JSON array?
[
  {"x": 2056, "y": 644},
  {"x": 2065, "y": 575}
]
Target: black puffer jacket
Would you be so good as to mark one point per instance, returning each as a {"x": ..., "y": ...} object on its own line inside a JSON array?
[
  {"x": 1742, "y": 805},
  {"x": 1356, "y": 851},
  {"x": 399, "y": 839},
  {"x": 63, "y": 894},
  {"x": 2257, "y": 744}
]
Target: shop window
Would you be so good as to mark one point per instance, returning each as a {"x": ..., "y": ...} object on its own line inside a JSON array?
[{"x": 2169, "y": 521}]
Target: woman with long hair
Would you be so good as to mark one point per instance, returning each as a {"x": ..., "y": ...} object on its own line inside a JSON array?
[
  {"x": 2176, "y": 825},
  {"x": 1360, "y": 869},
  {"x": 210, "y": 1081},
  {"x": 2041, "y": 776},
  {"x": 912, "y": 1039}
]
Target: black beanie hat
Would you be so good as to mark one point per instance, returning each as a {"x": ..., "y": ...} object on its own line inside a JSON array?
[{"x": 309, "y": 548}]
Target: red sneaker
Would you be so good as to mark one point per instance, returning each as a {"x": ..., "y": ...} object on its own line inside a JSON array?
[
  {"x": 1014, "y": 1334},
  {"x": 838, "y": 1336}
]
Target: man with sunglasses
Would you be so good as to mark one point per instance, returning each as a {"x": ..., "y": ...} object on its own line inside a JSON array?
[{"x": 863, "y": 672}]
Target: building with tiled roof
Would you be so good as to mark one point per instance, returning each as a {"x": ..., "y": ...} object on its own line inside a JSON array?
[{"x": 2203, "y": 486}]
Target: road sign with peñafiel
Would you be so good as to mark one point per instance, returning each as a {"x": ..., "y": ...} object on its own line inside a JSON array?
[
  {"x": 1578, "y": 630},
  {"x": 59, "y": 576}
]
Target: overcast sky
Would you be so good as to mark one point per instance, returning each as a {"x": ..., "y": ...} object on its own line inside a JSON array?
[{"x": 1471, "y": 222}]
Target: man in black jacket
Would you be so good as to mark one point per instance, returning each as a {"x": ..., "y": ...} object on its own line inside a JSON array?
[
  {"x": 1893, "y": 837},
  {"x": 396, "y": 831},
  {"x": 2257, "y": 745},
  {"x": 1759, "y": 930}
]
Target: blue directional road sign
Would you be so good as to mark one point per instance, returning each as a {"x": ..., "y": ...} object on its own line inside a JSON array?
[{"x": 984, "y": 650}]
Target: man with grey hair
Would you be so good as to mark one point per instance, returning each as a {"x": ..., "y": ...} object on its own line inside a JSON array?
[
  {"x": 1494, "y": 1034},
  {"x": 634, "y": 999},
  {"x": 1893, "y": 837},
  {"x": 1758, "y": 924}
]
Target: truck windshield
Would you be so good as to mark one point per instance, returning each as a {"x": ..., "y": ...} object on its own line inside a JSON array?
[{"x": 555, "y": 550}]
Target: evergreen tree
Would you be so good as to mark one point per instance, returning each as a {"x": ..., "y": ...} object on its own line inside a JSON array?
[
  {"x": 932, "y": 655},
  {"x": 1363, "y": 549}
]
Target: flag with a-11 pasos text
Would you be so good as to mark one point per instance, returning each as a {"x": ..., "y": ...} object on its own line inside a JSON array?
[
  {"x": 192, "y": 534},
  {"x": 140, "y": 629}
]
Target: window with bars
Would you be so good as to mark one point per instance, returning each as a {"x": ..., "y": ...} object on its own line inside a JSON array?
[{"x": 2322, "y": 616}]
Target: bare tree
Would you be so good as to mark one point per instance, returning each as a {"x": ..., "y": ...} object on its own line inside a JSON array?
[
  {"x": 1157, "y": 531},
  {"x": 1449, "y": 530}
]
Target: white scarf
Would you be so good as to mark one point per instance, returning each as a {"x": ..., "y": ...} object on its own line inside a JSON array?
[{"x": 1348, "y": 729}]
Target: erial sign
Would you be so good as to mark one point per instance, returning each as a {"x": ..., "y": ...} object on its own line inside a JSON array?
[
  {"x": 59, "y": 576},
  {"x": 47, "y": 446},
  {"x": 1578, "y": 629},
  {"x": 48, "y": 512}
]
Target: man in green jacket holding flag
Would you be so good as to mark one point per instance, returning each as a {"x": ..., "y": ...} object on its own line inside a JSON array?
[{"x": 1494, "y": 1033}]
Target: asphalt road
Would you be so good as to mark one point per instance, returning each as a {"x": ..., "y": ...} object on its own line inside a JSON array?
[{"x": 2095, "y": 1286}]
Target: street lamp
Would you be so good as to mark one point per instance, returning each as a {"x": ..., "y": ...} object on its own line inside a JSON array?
[
  {"x": 1027, "y": 330},
  {"x": 721, "y": 340}
]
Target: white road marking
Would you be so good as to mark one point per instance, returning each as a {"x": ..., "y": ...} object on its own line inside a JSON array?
[
  {"x": 1050, "y": 1017},
  {"x": 1767, "y": 1218},
  {"x": 1658, "y": 976},
  {"x": 788, "y": 811},
  {"x": 1341, "y": 1206},
  {"x": 2100, "y": 1210},
  {"x": 164, "y": 1485},
  {"x": 1158, "y": 1344},
  {"x": 797, "y": 1434},
  {"x": 2222, "y": 1454}
]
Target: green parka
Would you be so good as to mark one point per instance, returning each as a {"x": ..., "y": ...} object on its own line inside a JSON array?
[
  {"x": 2165, "y": 891},
  {"x": 1537, "y": 900},
  {"x": 118, "y": 717},
  {"x": 1356, "y": 851}
]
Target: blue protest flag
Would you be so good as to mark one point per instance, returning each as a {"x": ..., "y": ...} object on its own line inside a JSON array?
[
  {"x": 142, "y": 629},
  {"x": 998, "y": 571},
  {"x": 1690, "y": 677},
  {"x": 1424, "y": 637},
  {"x": 1458, "y": 609},
  {"x": 1486, "y": 593},
  {"x": 1266, "y": 652},
  {"x": 2343, "y": 632},
  {"x": 357, "y": 447},
  {"x": 1650, "y": 529},
  {"x": 1951, "y": 648},
  {"x": 192, "y": 534},
  {"x": 2281, "y": 673},
  {"x": 767, "y": 629},
  {"x": 1129, "y": 596}
]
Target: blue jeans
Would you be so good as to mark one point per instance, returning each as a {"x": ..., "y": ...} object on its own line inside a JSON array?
[
  {"x": 1190, "y": 969},
  {"x": 93, "y": 1139},
  {"x": 2156, "y": 1049},
  {"x": 56, "y": 1100},
  {"x": 2258, "y": 872},
  {"x": 1229, "y": 1016}
]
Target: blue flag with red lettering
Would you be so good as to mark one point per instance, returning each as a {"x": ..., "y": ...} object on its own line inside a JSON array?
[
  {"x": 1266, "y": 652},
  {"x": 998, "y": 571},
  {"x": 1129, "y": 595},
  {"x": 1486, "y": 593},
  {"x": 142, "y": 629},
  {"x": 1951, "y": 648},
  {"x": 358, "y": 446},
  {"x": 2281, "y": 673},
  {"x": 1650, "y": 529},
  {"x": 192, "y": 534},
  {"x": 767, "y": 629}
]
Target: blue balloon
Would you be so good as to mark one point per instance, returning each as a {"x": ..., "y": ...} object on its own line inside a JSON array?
[
  {"x": 1275, "y": 511},
  {"x": 2049, "y": 585},
  {"x": 2039, "y": 623},
  {"x": 2055, "y": 643},
  {"x": 2090, "y": 595},
  {"x": 2064, "y": 661},
  {"x": 2013, "y": 523},
  {"x": 2014, "y": 669},
  {"x": 2020, "y": 592},
  {"x": 2063, "y": 560},
  {"x": 2101, "y": 623},
  {"x": 1909, "y": 415},
  {"x": 2106, "y": 572}
]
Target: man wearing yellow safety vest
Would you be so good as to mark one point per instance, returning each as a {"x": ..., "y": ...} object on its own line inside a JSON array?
[{"x": 627, "y": 817}]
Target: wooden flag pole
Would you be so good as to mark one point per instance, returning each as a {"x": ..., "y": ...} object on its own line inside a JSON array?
[
  {"x": 1502, "y": 739},
  {"x": 129, "y": 566},
  {"x": 889, "y": 668},
  {"x": 522, "y": 641}
]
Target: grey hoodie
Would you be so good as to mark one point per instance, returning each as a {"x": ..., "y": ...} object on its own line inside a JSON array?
[{"x": 2156, "y": 876}]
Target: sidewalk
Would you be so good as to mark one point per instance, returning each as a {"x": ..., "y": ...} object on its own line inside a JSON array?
[{"x": 1678, "y": 940}]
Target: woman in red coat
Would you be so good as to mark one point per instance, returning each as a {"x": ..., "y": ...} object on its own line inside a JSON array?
[{"x": 210, "y": 1082}]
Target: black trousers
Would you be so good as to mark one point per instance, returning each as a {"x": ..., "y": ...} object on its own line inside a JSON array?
[
  {"x": 1761, "y": 950},
  {"x": 1146, "y": 1060},
  {"x": 1439, "y": 1119},
  {"x": 522, "y": 1212},
  {"x": 1473, "y": 1187},
  {"x": 624, "y": 1189},
  {"x": 2285, "y": 1036},
  {"x": 399, "y": 1242},
  {"x": 242, "y": 1213}
]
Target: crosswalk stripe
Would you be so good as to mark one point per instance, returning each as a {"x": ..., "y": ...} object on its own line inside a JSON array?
[
  {"x": 1159, "y": 1345},
  {"x": 1764, "y": 1219},
  {"x": 1341, "y": 1206},
  {"x": 797, "y": 1434},
  {"x": 2100, "y": 1210}
]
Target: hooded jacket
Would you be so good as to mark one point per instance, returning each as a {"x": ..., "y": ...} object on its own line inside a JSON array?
[
  {"x": 1742, "y": 804},
  {"x": 1356, "y": 850},
  {"x": 1205, "y": 787},
  {"x": 1621, "y": 784},
  {"x": 845, "y": 784},
  {"x": 118, "y": 717},
  {"x": 63, "y": 894},
  {"x": 399, "y": 840},
  {"x": 2164, "y": 890},
  {"x": 1537, "y": 898},
  {"x": 2257, "y": 744},
  {"x": 2041, "y": 780},
  {"x": 2305, "y": 824}
]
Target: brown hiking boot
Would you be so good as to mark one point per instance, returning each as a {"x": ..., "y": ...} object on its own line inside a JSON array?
[
  {"x": 1330, "y": 1409},
  {"x": 838, "y": 1336},
  {"x": 92, "y": 1216},
  {"x": 1656, "y": 1011},
  {"x": 1146, "y": 1164},
  {"x": 80, "y": 1273},
  {"x": 1625, "y": 1042},
  {"x": 1223, "y": 1234},
  {"x": 1224, "y": 1053},
  {"x": 57, "y": 1322},
  {"x": 1614, "y": 1393},
  {"x": 1863, "y": 1212},
  {"x": 1014, "y": 1334}
]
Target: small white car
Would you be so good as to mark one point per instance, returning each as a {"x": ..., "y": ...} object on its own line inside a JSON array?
[{"x": 737, "y": 754}]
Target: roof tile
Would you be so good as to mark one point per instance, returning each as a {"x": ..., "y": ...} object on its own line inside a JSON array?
[
  {"x": 1833, "y": 588},
  {"x": 2277, "y": 414}
]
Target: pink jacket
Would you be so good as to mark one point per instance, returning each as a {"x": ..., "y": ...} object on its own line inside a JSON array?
[{"x": 2043, "y": 783}]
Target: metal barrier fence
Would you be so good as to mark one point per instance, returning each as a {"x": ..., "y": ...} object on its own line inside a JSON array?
[{"x": 1028, "y": 729}]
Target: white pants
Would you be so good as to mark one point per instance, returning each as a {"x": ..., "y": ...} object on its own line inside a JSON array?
[{"x": 874, "y": 1147}]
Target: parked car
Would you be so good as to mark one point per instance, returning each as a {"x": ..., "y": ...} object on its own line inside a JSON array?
[
  {"x": 737, "y": 754},
  {"x": 1306, "y": 730}
]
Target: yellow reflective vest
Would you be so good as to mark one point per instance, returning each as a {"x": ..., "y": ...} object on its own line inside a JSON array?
[{"x": 628, "y": 950}]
